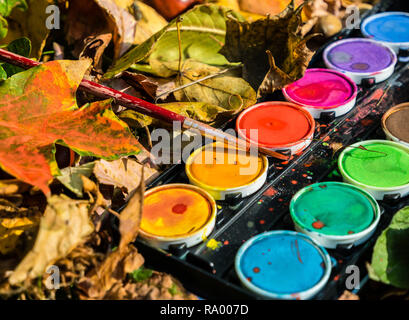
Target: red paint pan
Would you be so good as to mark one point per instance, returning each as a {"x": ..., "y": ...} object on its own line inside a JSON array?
[{"x": 277, "y": 126}]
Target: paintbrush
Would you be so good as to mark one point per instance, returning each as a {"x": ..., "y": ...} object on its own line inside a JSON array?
[{"x": 147, "y": 108}]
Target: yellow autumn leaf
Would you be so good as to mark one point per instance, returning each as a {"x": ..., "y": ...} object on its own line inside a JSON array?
[
  {"x": 13, "y": 223},
  {"x": 12, "y": 186},
  {"x": 148, "y": 20},
  {"x": 149, "y": 23},
  {"x": 234, "y": 5}
]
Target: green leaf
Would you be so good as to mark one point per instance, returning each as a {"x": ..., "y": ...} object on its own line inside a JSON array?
[
  {"x": 174, "y": 289},
  {"x": 135, "y": 119},
  {"x": 4, "y": 27},
  {"x": 390, "y": 259},
  {"x": 30, "y": 23},
  {"x": 141, "y": 274},
  {"x": 21, "y": 47},
  {"x": 6, "y": 6},
  {"x": 71, "y": 177},
  {"x": 200, "y": 111},
  {"x": 145, "y": 68},
  {"x": 203, "y": 30},
  {"x": 3, "y": 74},
  {"x": 227, "y": 90},
  {"x": 139, "y": 53}
]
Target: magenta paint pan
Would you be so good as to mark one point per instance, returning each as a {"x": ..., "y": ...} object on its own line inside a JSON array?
[
  {"x": 361, "y": 59},
  {"x": 323, "y": 91}
]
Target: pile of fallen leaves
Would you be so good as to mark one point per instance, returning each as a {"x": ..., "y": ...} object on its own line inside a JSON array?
[
  {"x": 65, "y": 224},
  {"x": 70, "y": 163},
  {"x": 70, "y": 236}
]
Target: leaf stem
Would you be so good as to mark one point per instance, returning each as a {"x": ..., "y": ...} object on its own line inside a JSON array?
[
  {"x": 193, "y": 83},
  {"x": 178, "y": 23}
]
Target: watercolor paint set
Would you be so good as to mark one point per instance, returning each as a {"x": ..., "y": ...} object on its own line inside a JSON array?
[{"x": 343, "y": 124}]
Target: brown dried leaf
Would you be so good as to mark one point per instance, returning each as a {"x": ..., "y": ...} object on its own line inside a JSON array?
[
  {"x": 347, "y": 295},
  {"x": 131, "y": 215},
  {"x": 91, "y": 188},
  {"x": 125, "y": 259},
  {"x": 95, "y": 17},
  {"x": 94, "y": 47},
  {"x": 154, "y": 87},
  {"x": 124, "y": 173},
  {"x": 65, "y": 224},
  {"x": 111, "y": 272},
  {"x": 316, "y": 8},
  {"x": 280, "y": 35},
  {"x": 82, "y": 259},
  {"x": 125, "y": 87},
  {"x": 334, "y": 6},
  {"x": 130, "y": 22},
  {"x": 160, "y": 286}
]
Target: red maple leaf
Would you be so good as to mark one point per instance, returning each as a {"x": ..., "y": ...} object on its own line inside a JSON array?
[{"x": 38, "y": 109}]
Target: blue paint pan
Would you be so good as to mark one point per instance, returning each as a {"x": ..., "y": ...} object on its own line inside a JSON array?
[
  {"x": 283, "y": 265},
  {"x": 390, "y": 28}
]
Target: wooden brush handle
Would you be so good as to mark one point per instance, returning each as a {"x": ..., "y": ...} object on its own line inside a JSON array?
[
  {"x": 219, "y": 135},
  {"x": 103, "y": 92}
]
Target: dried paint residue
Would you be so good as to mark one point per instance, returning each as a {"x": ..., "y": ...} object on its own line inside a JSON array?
[
  {"x": 213, "y": 244},
  {"x": 270, "y": 192}
]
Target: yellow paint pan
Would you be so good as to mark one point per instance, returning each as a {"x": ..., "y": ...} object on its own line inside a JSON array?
[
  {"x": 225, "y": 171},
  {"x": 177, "y": 213}
]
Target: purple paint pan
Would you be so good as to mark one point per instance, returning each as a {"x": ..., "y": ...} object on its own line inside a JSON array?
[
  {"x": 323, "y": 91},
  {"x": 361, "y": 59}
]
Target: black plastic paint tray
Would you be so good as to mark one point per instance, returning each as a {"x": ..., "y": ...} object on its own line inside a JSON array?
[{"x": 210, "y": 273}]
